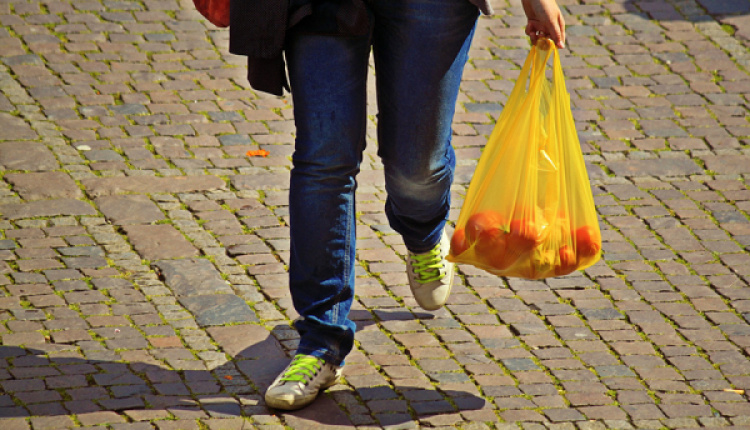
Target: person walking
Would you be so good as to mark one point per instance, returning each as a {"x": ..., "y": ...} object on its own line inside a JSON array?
[{"x": 420, "y": 48}]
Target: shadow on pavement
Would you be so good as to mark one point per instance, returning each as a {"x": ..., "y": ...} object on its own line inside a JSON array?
[
  {"x": 735, "y": 13},
  {"x": 665, "y": 11},
  {"x": 31, "y": 382}
]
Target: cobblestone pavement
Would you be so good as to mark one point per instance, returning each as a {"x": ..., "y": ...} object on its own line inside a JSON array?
[{"x": 143, "y": 253}]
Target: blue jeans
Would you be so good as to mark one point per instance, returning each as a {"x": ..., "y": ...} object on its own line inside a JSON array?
[{"x": 420, "y": 48}]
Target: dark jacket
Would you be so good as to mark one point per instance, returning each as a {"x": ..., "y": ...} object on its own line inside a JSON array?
[{"x": 257, "y": 29}]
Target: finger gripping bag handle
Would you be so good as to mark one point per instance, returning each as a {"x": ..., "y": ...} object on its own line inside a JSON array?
[{"x": 529, "y": 211}]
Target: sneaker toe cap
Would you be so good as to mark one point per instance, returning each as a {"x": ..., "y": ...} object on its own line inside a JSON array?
[{"x": 431, "y": 297}]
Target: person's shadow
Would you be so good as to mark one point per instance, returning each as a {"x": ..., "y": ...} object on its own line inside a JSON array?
[{"x": 28, "y": 375}]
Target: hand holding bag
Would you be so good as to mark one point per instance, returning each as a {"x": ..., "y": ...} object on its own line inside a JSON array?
[
  {"x": 529, "y": 211},
  {"x": 216, "y": 11}
]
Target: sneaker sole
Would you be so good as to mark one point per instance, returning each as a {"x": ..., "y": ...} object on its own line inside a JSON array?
[{"x": 299, "y": 403}]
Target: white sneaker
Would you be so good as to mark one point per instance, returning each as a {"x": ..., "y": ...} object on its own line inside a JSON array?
[
  {"x": 299, "y": 384},
  {"x": 431, "y": 275}
]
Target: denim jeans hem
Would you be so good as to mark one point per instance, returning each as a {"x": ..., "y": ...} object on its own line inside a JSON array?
[
  {"x": 424, "y": 249},
  {"x": 323, "y": 354}
]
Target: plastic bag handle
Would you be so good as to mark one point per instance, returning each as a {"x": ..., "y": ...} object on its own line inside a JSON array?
[
  {"x": 557, "y": 73},
  {"x": 537, "y": 73}
]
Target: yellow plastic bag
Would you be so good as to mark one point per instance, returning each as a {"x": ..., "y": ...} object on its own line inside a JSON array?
[{"x": 529, "y": 211}]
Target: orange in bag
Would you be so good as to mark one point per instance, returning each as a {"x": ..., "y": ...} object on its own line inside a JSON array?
[{"x": 484, "y": 229}]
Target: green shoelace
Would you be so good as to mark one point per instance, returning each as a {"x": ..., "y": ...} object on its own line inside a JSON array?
[
  {"x": 428, "y": 266},
  {"x": 303, "y": 368}
]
